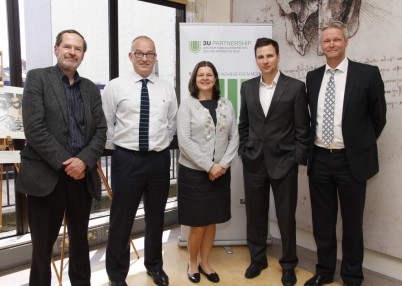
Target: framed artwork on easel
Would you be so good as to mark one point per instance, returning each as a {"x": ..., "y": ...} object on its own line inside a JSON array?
[
  {"x": 10, "y": 117},
  {"x": 11, "y": 112},
  {"x": 10, "y": 108}
]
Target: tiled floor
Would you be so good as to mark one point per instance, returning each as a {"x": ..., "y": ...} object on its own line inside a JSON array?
[{"x": 177, "y": 261}]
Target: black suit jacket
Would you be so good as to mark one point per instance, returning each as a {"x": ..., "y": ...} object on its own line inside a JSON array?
[
  {"x": 45, "y": 119},
  {"x": 280, "y": 139},
  {"x": 363, "y": 118}
]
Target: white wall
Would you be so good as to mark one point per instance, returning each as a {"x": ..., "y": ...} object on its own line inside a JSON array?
[
  {"x": 209, "y": 11},
  {"x": 218, "y": 11}
]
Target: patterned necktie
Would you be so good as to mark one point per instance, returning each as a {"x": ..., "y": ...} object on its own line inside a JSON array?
[
  {"x": 329, "y": 111},
  {"x": 144, "y": 117}
]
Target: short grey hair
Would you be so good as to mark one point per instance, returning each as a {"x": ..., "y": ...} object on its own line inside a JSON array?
[
  {"x": 142, "y": 37},
  {"x": 337, "y": 25}
]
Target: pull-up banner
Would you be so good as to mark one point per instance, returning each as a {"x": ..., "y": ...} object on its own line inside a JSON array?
[{"x": 230, "y": 47}]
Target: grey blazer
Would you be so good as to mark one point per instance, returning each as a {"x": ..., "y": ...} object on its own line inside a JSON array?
[
  {"x": 45, "y": 119},
  {"x": 280, "y": 138}
]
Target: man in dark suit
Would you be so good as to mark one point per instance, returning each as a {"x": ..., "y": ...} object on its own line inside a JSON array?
[
  {"x": 348, "y": 109},
  {"x": 65, "y": 129},
  {"x": 274, "y": 130}
]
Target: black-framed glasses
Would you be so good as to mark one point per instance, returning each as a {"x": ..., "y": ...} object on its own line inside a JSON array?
[{"x": 149, "y": 55}]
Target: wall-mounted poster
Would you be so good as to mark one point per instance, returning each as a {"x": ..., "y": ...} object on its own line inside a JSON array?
[{"x": 11, "y": 112}]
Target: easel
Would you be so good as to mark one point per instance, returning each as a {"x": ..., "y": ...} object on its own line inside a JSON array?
[
  {"x": 59, "y": 273},
  {"x": 6, "y": 144},
  {"x": 110, "y": 194}
]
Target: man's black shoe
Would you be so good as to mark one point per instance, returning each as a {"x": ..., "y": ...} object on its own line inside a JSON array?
[
  {"x": 117, "y": 283},
  {"x": 288, "y": 277},
  {"x": 160, "y": 278},
  {"x": 254, "y": 270},
  {"x": 318, "y": 280}
]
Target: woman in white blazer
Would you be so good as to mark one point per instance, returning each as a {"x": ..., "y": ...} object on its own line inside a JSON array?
[{"x": 208, "y": 141}]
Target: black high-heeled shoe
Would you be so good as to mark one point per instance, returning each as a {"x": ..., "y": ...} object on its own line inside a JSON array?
[
  {"x": 213, "y": 277},
  {"x": 195, "y": 278}
]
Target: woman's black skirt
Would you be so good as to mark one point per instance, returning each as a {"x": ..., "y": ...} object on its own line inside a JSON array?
[{"x": 201, "y": 201}]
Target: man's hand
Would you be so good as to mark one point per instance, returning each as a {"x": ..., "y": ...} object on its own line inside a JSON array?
[{"x": 75, "y": 168}]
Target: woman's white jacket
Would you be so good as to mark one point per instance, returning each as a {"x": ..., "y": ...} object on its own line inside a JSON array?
[{"x": 202, "y": 143}]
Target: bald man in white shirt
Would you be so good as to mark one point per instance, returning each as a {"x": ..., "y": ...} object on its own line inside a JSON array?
[{"x": 139, "y": 170}]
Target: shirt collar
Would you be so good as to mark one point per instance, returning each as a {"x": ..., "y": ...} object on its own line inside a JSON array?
[
  {"x": 274, "y": 82},
  {"x": 343, "y": 66},
  {"x": 138, "y": 78},
  {"x": 64, "y": 77}
]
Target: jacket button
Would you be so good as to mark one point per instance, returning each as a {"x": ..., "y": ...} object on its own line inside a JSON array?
[{"x": 64, "y": 132}]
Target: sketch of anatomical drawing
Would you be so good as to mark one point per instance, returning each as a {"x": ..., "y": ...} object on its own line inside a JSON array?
[{"x": 299, "y": 14}]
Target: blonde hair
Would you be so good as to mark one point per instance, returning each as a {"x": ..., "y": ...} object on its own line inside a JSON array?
[{"x": 337, "y": 25}]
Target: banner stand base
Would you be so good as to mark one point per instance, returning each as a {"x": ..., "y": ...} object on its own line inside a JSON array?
[{"x": 225, "y": 243}]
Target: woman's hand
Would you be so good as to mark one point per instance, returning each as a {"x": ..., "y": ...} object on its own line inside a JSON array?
[{"x": 216, "y": 171}]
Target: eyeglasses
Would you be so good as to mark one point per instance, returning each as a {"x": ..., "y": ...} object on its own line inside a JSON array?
[{"x": 139, "y": 55}]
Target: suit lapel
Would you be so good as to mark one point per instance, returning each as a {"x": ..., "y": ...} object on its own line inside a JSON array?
[
  {"x": 350, "y": 81},
  {"x": 256, "y": 96},
  {"x": 58, "y": 89},
  {"x": 279, "y": 92},
  {"x": 86, "y": 97},
  {"x": 315, "y": 86}
]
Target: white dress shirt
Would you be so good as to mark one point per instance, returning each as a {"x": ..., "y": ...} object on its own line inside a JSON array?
[
  {"x": 121, "y": 101},
  {"x": 340, "y": 83},
  {"x": 267, "y": 92}
]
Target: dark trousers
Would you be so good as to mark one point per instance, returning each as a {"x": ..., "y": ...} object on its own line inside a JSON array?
[
  {"x": 257, "y": 187},
  {"x": 330, "y": 179},
  {"x": 136, "y": 175},
  {"x": 45, "y": 218}
]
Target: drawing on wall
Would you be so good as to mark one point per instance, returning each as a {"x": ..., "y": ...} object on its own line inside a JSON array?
[
  {"x": 304, "y": 17},
  {"x": 11, "y": 112}
]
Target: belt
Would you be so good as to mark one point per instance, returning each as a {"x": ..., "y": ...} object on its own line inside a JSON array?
[
  {"x": 138, "y": 152},
  {"x": 329, "y": 150}
]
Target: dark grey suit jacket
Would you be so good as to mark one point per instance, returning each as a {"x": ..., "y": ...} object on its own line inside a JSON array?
[
  {"x": 363, "y": 118},
  {"x": 280, "y": 139},
  {"x": 45, "y": 119}
]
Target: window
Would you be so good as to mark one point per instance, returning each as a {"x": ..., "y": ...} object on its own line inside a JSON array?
[
  {"x": 4, "y": 58},
  {"x": 155, "y": 21},
  {"x": 42, "y": 20}
]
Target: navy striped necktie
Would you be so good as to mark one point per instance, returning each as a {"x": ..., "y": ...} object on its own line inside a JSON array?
[{"x": 144, "y": 117}]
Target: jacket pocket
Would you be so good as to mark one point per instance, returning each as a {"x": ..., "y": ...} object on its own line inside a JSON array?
[{"x": 286, "y": 147}]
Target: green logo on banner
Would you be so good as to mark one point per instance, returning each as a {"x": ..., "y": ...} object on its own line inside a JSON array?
[{"x": 194, "y": 46}]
